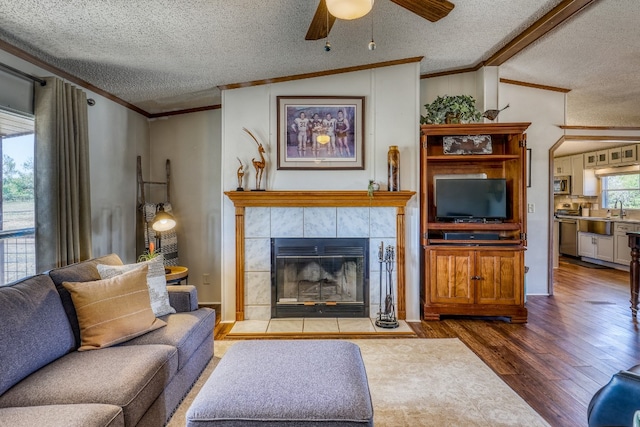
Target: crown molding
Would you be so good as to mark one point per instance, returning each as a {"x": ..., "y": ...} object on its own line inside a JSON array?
[{"x": 321, "y": 73}]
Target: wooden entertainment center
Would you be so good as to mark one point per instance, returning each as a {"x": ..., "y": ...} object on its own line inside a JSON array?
[{"x": 466, "y": 274}]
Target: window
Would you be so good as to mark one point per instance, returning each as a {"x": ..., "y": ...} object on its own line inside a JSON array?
[
  {"x": 624, "y": 188},
  {"x": 17, "y": 213}
]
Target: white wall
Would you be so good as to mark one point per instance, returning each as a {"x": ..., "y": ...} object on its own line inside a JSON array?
[
  {"x": 453, "y": 84},
  {"x": 546, "y": 111},
  {"x": 116, "y": 136},
  {"x": 391, "y": 118},
  {"x": 192, "y": 143}
]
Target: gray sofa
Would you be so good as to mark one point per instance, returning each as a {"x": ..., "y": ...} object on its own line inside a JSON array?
[{"x": 45, "y": 381}]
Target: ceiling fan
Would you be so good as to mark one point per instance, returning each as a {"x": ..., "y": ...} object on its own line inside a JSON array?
[{"x": 431, "y": 10}]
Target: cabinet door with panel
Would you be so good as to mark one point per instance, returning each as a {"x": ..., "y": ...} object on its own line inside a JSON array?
[
  {"x": 590, "y": 159},
  {"x": 499, "y": 277},
  {"x": 577, "y": 175},
  {"x": 629, "y": 154},
  {"x": 583, "y": 180},
  {"x": 586, "y": 245},
  {"x": 604, "y": 247},
  {"x": 621, "y": 251},
  {"x": 602, "y": 158},
  {"x": 450, "y": 276},
  {"x": 615, "y": 156},
  {"x": 596, "y": 246},
  {"x": 562, "y": 166}
]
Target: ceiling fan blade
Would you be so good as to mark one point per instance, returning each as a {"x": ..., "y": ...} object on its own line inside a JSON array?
[
  {"x": 432, "y": 10},
  {"x": 318, "y": 27}
]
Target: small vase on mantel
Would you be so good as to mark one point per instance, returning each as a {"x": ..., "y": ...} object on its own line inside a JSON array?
[{"x": 393, "y": 168}]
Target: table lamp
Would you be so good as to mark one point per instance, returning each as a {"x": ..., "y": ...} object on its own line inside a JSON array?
[{"x": 162, "y": 221}]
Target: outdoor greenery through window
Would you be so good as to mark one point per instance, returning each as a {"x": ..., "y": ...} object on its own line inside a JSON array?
[
  {"x": 624, "y": 188},
  {"x": 17, "y": 225}
]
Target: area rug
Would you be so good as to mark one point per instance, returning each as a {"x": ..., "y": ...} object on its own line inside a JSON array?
[{"x": 422, "y": 382}]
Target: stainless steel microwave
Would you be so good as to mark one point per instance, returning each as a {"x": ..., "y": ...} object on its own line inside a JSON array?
[{"x": 561, "y": 185}]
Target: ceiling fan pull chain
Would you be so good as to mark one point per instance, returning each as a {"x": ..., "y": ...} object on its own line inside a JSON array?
[
  {"x": 372, "y": 44},
  {"x": 327, "y": 45}
]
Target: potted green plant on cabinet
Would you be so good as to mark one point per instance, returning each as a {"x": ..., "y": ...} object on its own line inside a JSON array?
[{"x": 451, "y": 109}]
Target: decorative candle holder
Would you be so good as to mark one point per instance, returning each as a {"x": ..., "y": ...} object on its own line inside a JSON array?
[{"x": 393, "y": 168}]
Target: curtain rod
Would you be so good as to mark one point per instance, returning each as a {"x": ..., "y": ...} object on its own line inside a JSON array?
[{"x": 22, "y": 74}]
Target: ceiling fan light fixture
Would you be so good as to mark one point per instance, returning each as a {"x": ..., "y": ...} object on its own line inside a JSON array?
[{"x": 349, "y": 9}]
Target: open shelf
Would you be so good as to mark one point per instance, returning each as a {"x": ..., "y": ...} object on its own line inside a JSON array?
[
  {"x": 473, "y": 226},
  {"x": 472, "y": 157},
  {"x": 474, "y": 242}
]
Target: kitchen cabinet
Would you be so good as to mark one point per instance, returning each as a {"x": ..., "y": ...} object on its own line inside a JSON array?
[
  {"x": 625, "y": 155},
  {"x": 629, "y": 154},
  {"x": 586, "y": 245},
  {"x": 562, "y": 166},
  {"x": 596, "y": 246},
  {"x": 583, "y": 181},
  {"x": 590, "y": 159},
  {"x": 621, "y": 251},
  {"x": 602, "y": 158},
  {"x": 469, "y": 275},
  {"x": 615, "y": 156}
]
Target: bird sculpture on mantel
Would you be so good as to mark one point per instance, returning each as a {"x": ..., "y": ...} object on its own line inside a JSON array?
[{"x": 493, "y": 114}]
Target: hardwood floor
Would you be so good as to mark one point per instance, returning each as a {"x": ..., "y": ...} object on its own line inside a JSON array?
[{"x": 572, "y": 345}]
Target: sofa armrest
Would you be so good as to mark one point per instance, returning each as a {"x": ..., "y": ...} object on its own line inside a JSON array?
[
  {"x": 183, "y": 298},
  {"x": 616, "y": 402}
]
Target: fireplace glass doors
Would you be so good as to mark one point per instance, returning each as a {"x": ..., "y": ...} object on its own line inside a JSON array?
[{"x": 320, "y": 277}]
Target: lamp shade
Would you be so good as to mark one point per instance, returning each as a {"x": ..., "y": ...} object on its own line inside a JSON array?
[
  {"x": 349, "y": 9},
  {"x": 163, "y": 221}
]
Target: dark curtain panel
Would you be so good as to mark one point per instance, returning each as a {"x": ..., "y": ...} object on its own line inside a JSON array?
[{"x": 63, "y": 198}]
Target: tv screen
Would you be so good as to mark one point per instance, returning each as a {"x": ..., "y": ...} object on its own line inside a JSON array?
[{"x": 471, "y": 198}]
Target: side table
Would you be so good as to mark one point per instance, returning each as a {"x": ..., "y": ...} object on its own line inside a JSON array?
[
  {"x": 634, "y": 266},
  {"x": 175, "y": 274}
]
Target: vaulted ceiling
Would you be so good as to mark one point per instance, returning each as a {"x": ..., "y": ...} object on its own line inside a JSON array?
[{"x": 165, "y": 55}]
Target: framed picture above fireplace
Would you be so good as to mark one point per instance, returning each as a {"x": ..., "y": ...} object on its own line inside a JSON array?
[{"x": 320, "y": 132}]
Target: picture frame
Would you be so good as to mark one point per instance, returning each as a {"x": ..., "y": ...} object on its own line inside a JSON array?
[{"x": 320, "y": 132}]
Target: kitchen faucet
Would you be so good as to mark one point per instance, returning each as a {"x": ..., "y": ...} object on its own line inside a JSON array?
[{"x": 621, "y": 211}]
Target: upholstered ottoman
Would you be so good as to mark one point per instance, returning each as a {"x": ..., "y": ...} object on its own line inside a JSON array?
[{"x": 285, "y": 383}]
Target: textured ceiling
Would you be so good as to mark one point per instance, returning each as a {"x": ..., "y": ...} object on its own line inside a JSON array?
[
  {"x": 164, "y": 55},
  {"x": 596, "y": 55}
]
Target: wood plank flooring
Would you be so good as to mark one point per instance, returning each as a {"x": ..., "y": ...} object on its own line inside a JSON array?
[{"x": 572, "y": 344}]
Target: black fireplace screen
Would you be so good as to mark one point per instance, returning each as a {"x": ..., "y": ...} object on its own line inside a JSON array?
[{"x": 320, "y": 277}]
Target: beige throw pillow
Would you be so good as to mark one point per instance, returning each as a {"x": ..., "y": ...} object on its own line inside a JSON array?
[
  {"x": 156, "y": 282},
  {"x": 112, "y": 311}
]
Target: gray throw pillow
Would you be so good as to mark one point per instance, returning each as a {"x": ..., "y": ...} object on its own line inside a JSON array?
[{"x": 156, "y": 282}]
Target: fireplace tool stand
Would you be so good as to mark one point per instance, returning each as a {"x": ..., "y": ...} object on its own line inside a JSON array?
[{"x": 387, "y": 312}]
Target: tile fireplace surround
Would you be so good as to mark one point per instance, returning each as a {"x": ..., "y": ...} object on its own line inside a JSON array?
[{"x": 261, "y": 215}]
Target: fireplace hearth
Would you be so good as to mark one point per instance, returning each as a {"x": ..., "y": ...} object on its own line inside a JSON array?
[{"x": 320, "y": 277}]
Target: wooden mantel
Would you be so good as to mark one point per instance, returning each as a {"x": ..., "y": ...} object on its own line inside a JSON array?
[
  {"x": 279, "y": 199},
  {"x": 244, "y": 199}
]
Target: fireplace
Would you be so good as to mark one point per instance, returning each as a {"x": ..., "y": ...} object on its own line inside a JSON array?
[{"x": 320, "y": 277}]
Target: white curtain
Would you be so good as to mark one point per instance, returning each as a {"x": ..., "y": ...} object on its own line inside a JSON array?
[{"x": 63, "y": 199}]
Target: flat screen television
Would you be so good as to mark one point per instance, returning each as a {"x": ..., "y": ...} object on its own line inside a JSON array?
[{"x": 471, "y": 199}]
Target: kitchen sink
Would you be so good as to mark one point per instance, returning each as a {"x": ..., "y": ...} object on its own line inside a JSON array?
[{"x": 596, "y": 226}]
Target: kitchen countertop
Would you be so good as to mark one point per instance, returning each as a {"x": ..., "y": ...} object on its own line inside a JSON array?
[{"x": 600, "y": 218}]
